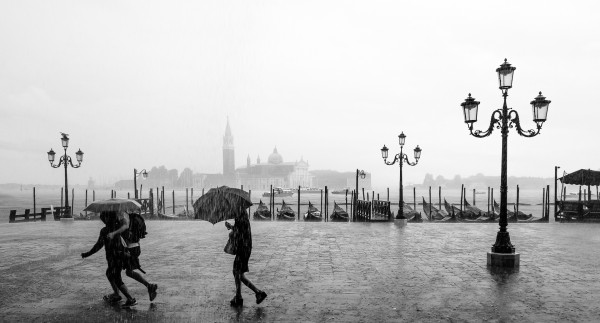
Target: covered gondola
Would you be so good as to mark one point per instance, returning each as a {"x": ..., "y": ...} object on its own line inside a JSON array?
[
  {"x": 510, "y": 215},
  {"x": 338, "y": 214},
  {"x": 410, "y": 214},
  {"x": 312, "y": 214},
  {"x": 477, "y": 212},
  {"x": 480, "y": 215},
  {"x": 433, "y": 213},
  {"x": 286, "y": 213},
  {"x": 262, "y": 212},
  {"x": 456, "y": 215}
]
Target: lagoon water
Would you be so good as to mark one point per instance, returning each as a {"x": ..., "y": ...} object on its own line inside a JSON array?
[{"x": 530, "y": 201}]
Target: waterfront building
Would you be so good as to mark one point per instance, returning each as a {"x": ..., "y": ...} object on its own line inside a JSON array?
[{"x": 275, "y": 172}]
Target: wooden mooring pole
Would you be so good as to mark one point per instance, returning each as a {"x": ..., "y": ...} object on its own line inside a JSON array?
[
  {"x": 414, "y": 198},
  {"x": 440, "y": 197},
  {"x": 543, "y": 202},
  {"x": 488, "y": 200},
  {"x": 518, "y": 196},
  {"x": 326, "y": 203},
  {"x": 429, "y": 201},
  {"x": 462, "y": 196},
  {"x": 346, "y": 201},
  {"x": 547, "y": 202}
]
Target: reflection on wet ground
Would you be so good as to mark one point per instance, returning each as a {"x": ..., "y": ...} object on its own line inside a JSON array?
[{"x": 312, "y": 271}]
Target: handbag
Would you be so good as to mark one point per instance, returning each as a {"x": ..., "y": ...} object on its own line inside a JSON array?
[{"x": 230, "y": 247}]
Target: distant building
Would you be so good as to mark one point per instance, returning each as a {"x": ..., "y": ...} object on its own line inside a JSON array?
[
  {"x": 228, "y": 153},
  {"x": 275, "y": 172}
]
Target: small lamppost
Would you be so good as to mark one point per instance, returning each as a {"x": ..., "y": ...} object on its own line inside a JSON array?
[
  {"x": 64, "y": 160},
  {"x": 503, "y": 252},
  {"x": 361, "y": 174},
  {"x": 135, "y": 175},
  {"x": 400, "y": 158}
]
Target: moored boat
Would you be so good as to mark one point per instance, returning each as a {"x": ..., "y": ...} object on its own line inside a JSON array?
[
  {"x": 310, "y": 190},
  {"x": 342, "y": 191},
  {"x": 279, "y": 192},
  {"x": 510, "y": 215},
  {"x": 433, "y": 213},
  {"x": 286, "y": 213},
  {"x": 262, "y": 212},
  {"x": 338, "y": 214},
  {"x": 410, "y": 214},
  {"x": 312, "y": 214}
]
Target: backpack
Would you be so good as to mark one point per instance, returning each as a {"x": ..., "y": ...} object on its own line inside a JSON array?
[{"x": 137, "y": 228}]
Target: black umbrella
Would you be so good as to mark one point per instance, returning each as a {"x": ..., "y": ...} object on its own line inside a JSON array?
[
  {"x": 116, "y": 205},
  {"x": 221, "y": 203}
]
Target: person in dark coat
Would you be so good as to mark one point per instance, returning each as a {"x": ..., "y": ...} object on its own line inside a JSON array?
[
  {"x": 243, "y": 241},
  {"x": 114, "y": 250}
]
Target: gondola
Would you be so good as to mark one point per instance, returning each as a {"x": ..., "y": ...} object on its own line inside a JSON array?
[
  {"x": 477, "y": 212},
  {"x": 432, "y": 213},
  {"x": 481, "y": 215},
  {"x": 313, "y": 214},
  {"x": 410, "y": 214},
  {"x": 262, "y": 212},
  {"x": 456, "y": 215},
  {"x": 510, "y": 215},
  {"x": 461, "y": 216},
  {"x": 338, "y": 214},
  {"x": 286, "y": 213}
]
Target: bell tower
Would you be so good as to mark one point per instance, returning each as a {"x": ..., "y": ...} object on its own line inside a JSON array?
[{"x": 228, "y": 153}]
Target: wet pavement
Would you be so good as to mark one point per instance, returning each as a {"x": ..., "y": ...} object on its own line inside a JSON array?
[{"x": 313, "y": 272}]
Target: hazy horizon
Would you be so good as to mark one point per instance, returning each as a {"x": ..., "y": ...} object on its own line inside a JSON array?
[{"x": 140, "y": 84}]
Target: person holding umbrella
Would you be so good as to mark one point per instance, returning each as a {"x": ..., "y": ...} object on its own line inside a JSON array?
[
  {"x": 113, "y": 249},
  {"x": 120, "y": 254},
  {"x": 223, "y": 203},
  {"x": 243, "y": 242}
]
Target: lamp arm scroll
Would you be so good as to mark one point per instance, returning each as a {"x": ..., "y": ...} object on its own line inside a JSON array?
[
  {"x": 396, "y": 158},
  {"x": 405, "y": 157},
  {"x": 494, "y": 121},
  {"x": 60, "y": 162},
  {"x": 71, "y": 163},
  {"x": 513, "y": 117}
]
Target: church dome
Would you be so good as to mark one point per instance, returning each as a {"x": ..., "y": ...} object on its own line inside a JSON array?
[{"x": 275, "y": 157}]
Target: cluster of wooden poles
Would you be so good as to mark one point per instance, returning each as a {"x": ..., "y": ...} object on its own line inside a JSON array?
[{"x": 189, "y": 197}]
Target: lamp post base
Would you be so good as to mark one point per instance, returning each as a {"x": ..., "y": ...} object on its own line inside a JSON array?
[{"x": 505, "y": 260}]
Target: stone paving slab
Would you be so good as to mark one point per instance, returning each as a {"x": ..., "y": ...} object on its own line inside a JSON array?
[{"x": 313, "y": 272}]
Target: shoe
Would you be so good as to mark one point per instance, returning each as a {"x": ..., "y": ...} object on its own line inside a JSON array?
[
  {"x": 129, "y": 303},
  {"x": 111, "y": 298},
  {"x": 236, "y": 301},
  {"x": 260, "y": 296},
  {"x": 152, "y": 291}
]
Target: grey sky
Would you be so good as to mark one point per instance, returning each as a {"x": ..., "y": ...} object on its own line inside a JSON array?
[{"x": 144, "y": 83}]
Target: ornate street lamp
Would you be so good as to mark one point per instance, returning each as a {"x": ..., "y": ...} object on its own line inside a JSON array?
[
  {"x": 361, "y": 174},
  {"x": 400, "y": 158},
  {"x": 64, "y": 160},
  {"x": 503, "y": 252},
  {"x": 135, "y": 175}
]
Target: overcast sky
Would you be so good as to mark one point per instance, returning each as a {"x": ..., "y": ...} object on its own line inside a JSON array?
[{"x": 138, "y": 84}]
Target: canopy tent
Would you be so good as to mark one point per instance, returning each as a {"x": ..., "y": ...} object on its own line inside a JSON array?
[{"x": 582, "y": 177}]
